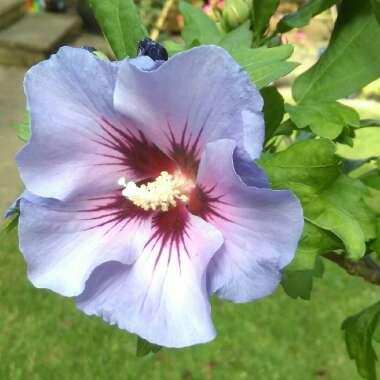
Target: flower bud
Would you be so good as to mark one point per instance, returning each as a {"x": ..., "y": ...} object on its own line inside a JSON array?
[{"x": 235, "y": 13}]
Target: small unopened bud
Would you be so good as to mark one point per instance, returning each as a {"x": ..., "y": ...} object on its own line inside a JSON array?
[
  {"x": 235, "y": 13},
  {"x": 152, "y": 49}
]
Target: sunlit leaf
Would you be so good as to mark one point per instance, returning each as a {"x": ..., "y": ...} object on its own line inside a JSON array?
[
  {"x": 330, "y": 200},
  {"x": 265, "y": 65},
  {"x": 351, "y": 60},
  {"x": 121, "y": 25},
  {"x": 241, "y": 36},
  {"x": 23, "y": 129},
  {"x": 326, "y": 119},
  {"x": 366, "y": 144}
]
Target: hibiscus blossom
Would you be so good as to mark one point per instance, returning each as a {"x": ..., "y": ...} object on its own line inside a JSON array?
[{"x": 142, "y": 199}]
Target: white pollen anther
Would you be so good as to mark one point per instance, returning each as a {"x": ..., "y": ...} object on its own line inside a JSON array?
[{"x": 161, "y": 194}]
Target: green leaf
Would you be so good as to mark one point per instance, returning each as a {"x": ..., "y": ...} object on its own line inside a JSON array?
[
  {"x": 241, "y": 36},
  {"x": 198, "y": 26},
  {"x": 262, "y": 12},
  {"x": 298, "y": 283},
  {"x": 173, "y": 47},
  {"x": 23, "y": 129},
  {"x": 330, "y": 200},
  {"x": 366, "y": 144},
  {"x": 143, "y": 347},
  {"x": 121, "y": 25},
  {"x": 273, "y": 110},
  {"x": 10, "y": 223},
  {"x": 348, "y": 194},
  {"x": 351, "y": 60},
  {"x": 304, "y": 14},
  {"x": 265, "y": 65},
  {"x": 314, "y": 242},
  {"x": 318, "y": 168},
  {"x": 376, "y": 8},
  {"x": 358, "y": 333},
  {"x": 372, "y": 180},
  {"x": 326, "y": 119},
  {"x": 375, "y": 245}
]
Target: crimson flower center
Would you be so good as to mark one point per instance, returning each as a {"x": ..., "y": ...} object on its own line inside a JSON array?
[{"x": 161, "y": 194}]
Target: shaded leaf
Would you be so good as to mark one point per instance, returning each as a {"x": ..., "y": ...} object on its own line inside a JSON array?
[
  {"x": 121, "y": 24},
  {"x": 304, "y": 14},
  {"x": 358, "y": 333},
  {"x": 314, "y": 242},
  {"x": 198, "y": 26},
  {"x": 372, "y": 179},
  {"x": 265, "y": 65},
  {"x": 143, "y": 347},
  {"x": 326, "y": 119},
  {"x": 10, "y": 223},
  {"x": 273, "y": 110},
  {"x": 351, "y": 60},
  {"x": 376, "y": 8},
  {"x": 262, "y": 12},
  {"x": 298, "y": 283}
]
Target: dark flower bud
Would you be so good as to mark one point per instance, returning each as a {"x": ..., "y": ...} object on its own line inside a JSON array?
[{"x": 152, "y": 49}]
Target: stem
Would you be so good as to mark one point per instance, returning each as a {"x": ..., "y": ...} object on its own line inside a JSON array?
[
  {"x": 365, "y": 267},
  {"x": 155, "y": 33}
]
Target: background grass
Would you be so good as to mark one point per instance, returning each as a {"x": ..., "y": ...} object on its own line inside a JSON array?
[{"x": 43, "y": 336}]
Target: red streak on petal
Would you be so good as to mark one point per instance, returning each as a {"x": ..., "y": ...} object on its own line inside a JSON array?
[
  {"x": 133, "y": 151},
  {"x": 170, "y": 229},
  {"x": 204, "y": 204},
  {"x": 114, "y": 211},
  {"x": 185, "y": 151}
]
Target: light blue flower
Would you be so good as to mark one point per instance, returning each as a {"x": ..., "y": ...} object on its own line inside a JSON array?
[{"x": 145, "y": 199}]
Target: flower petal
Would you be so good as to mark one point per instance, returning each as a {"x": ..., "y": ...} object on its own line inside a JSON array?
[
  {"x": 26, "y": 195},
  {"x": 248, "y": 171},
  {"x": 164, "y": 301},
  {"x": 261, "y": 228},
  {"x": 74, "y": 144},
  {"x": 195, "y": 97},
  {"x": 64, "y": 242}
]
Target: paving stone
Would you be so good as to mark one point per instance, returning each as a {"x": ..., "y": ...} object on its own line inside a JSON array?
[
  {"x": 35, "y": 37},
  {"x": 11, "y": 11}
]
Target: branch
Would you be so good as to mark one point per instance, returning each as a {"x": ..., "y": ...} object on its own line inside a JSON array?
[
  {"x": 365, "y": 267},
  {"x": 161, "y": 19}
]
